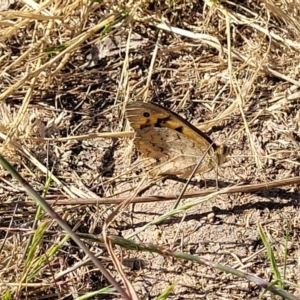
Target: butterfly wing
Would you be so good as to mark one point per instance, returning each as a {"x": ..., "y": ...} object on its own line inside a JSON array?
[
  {"x": 142, "y": 115},
  {"x": 176, "y": 144},
  {"x": 174, "y": 152}
]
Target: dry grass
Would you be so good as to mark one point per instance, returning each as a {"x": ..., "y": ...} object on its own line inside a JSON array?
[{"x": 68, "y": 68}]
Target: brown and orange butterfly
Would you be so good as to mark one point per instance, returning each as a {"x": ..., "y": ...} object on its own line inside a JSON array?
[{"x": 175, "y": 144}]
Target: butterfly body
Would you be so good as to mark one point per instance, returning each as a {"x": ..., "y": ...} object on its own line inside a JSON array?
[{"x": 175, "y": 144}]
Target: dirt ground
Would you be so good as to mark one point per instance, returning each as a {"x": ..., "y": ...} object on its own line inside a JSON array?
[{"x": 67, "y": 72}]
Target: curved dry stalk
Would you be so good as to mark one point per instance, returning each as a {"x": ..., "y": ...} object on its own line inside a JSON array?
[{"x": 249, "y": 188}]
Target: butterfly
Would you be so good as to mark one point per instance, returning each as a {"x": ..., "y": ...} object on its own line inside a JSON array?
[{"x": 176, "y": 145}]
